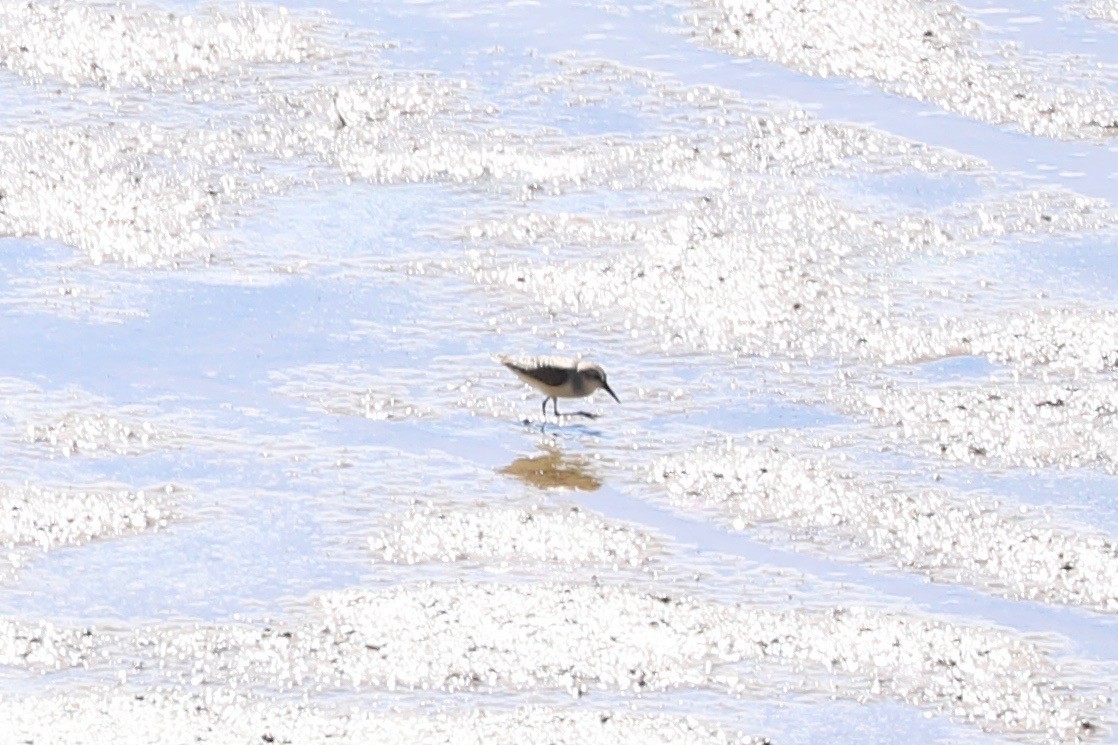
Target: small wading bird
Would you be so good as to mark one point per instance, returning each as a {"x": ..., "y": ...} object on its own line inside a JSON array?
[{"x": 560, "y": 377}]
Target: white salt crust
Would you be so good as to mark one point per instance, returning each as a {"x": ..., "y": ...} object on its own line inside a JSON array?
[
  {"x": 929, "y": 50},
  {"x": 168, "y": 716},
  {"x": 765, "y": 271},
  {"x": 46, "y": 518},
  {"x": 1061, "y": 340},
  {"x": 71, "y": 422},
  {"x": 393, "y": 129},
  {"x": 78, "y": 433},
  {"x": 583, "y": 638},
  {"x": 114, "y": 45},
  {"x": 139, "y": 195},
  {"x": 49, "y": 517},
  {"x": 74, "y": 423},
  {"x": 1102, "y": 10},
  {"x": 517, "y": 535},
  {"x": 949, "y": 535},
  {"x": 1021, "y": 424},
  {"x": 43, "y": 646}
]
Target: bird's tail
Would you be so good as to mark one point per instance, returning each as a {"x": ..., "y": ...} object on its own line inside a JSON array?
[{"x": 513, "y": 363}]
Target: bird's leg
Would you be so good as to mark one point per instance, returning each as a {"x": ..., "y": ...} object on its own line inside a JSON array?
[
  {"x": 544, "y": 408},
  {"x": 555, "y": 405}
]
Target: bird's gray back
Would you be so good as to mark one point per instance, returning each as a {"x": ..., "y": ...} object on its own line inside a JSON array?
[{"x": 552, "y": 370}]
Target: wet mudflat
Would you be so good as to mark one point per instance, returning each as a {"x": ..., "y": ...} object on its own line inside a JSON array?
[{"x": 849, "y": 268}]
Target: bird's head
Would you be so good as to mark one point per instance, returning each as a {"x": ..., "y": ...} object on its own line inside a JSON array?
[{"x": 595, "y": 378}]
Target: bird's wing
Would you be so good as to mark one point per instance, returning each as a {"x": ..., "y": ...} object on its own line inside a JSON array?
[{"x": 539, "y": 369}]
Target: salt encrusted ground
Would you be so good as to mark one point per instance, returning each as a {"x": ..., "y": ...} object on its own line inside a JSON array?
[
  {"x": 712, "y": 245},
  {"x": 1106, "y": 10},
  {"x": 43, "y": 646},
  {"x": 952, "y": 536},
  {"x": 171, "y": 716},
  {"x": 141, "y": 195},
  {"x": 587, "y": 638},
  {"x": 75, "y": 433},
  {"x": 46, "y": 518},
  {"x": 1022, "y": 424},
  {"x": 73, "y": 422},
  {"x": 113, "y": 45},
  {"x": 930, "y": 51},
  {"x": 498, "y": 535},
  {"x": 767, "y": 271}
]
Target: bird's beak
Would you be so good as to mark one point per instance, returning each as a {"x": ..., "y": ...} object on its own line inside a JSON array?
[{"x": 610, "y": 392}]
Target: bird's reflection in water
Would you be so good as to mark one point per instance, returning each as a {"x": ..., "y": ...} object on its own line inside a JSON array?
[{"x": 553, "y": 470}]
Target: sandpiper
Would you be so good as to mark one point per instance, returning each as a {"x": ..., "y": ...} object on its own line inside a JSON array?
[{"x": 560, "y": 377}]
